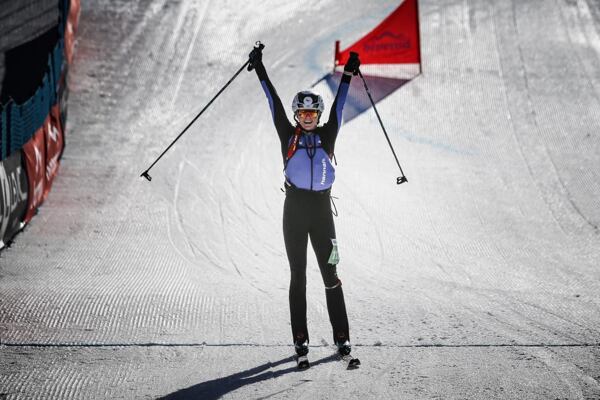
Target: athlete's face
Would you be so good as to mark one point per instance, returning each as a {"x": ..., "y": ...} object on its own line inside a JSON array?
[{"x": 308, "y": 119}]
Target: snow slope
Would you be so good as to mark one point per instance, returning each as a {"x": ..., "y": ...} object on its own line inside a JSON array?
[{"x": 476, "y": 279}]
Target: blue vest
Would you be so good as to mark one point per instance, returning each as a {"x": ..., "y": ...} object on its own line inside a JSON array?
[{"x": 310, "y": 167}]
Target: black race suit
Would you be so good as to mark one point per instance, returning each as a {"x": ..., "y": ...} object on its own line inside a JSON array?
[{"x": 307, "y": 208}]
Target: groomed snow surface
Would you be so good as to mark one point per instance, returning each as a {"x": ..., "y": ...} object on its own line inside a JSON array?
[{"x": 477, "y": 279}]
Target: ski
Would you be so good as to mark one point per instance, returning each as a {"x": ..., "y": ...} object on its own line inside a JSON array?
[
  {"x": 302, "y": 362},
  {"x": 351, "y": 362},
  {"x": 343, "y": 352}
]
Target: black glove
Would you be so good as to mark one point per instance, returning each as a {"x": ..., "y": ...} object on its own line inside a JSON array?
[
  {"x": 352, "y": 64},
  {"x": 255, "y": 56}
]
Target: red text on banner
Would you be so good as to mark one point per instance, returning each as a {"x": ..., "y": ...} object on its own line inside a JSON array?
[
  {"x": 35, "y": 164},
  {"x": 54, "y": 146}
]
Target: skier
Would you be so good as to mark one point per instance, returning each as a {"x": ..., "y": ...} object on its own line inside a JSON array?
[{"x": 307, "y": 149}]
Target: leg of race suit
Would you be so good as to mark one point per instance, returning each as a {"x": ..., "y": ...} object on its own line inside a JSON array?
[
  {"x": 295, "y": 234},
  {"x": 321, "y": 234}
]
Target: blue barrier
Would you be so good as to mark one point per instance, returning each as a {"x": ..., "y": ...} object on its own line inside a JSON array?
[
  {"x": 56, "y": 63},
  {"x": 27, "y": 118},
  {"x": 3, "y": 134},
  {"x": 19, "y": 122},
  {"x": 63, "y": 15},
  {"x": 20, "y": 117}
]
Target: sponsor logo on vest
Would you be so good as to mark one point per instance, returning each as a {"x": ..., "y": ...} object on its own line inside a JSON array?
[{"x": 324, "y": 173}]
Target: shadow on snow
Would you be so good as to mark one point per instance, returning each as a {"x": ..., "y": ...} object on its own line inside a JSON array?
[
  {"x": 357, "y": 100},
  {"x": 216, "y": 388}
]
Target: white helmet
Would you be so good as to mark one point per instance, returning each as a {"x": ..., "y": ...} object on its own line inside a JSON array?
[{"x": 307, "y": 100}]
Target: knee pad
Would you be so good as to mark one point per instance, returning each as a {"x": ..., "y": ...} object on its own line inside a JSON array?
[{"x": 336, "y": 285}]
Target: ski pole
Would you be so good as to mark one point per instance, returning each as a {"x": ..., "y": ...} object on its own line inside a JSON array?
[
  {"x": 145, "y": 174},
  {"x": 400, "y": 179}
]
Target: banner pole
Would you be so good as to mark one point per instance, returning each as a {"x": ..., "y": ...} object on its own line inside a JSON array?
[
  {"x": 336, "y": 54},
  {"x": 419, "y": 36}
]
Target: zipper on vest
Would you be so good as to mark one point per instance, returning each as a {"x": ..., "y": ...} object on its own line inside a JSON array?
[
  {"x": 310, "y": 148},
  {"x": 311, "y": 174}
]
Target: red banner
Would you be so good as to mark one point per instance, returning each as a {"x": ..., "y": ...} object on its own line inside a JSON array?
[
  {"x": 74, "y": 10},
  {"x": 69, "y": 42},
  {"x": 54, "y": 146},
  {"x": 71, "y": 29},
  {"x": 394, "y": 41},
  {"x": 35, "y": 165}
]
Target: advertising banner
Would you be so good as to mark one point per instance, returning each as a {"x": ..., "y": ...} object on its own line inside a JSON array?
[
  {"x": 74, "y": 11},
  {"x": 394, "y": 41},
  {"x": 69, "y": 42},
  {"x": 390, "y": 57},
  {"x": 13, "y": 196},
  {"x": 54, "y": 146},
  {"x": 71, "y": 29},
  {"x": 34, "y": 153},
  {"x": 63, "y": 97}
]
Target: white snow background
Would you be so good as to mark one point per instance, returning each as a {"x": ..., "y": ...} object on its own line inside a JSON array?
[{"x": 476, "y": 279}]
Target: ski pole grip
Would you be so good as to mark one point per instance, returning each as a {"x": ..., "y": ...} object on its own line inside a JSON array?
[
  {"x": 257, "y": 46},
  {"x": 354, "y": 55}
]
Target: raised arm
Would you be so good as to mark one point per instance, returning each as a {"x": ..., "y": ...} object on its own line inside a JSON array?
[
  {"x": 282, "y": 124},
  {"x": 335, "y": 114}
]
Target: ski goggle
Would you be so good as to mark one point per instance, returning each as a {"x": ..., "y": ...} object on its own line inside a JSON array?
[{"x": 308, "y": 113}]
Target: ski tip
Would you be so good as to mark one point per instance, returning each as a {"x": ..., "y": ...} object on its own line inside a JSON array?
[{"x": 354, "y": 363}]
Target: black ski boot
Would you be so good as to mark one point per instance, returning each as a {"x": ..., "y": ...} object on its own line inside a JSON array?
[
  {"x": 301, "y": 354},
  {"x": 344, "y": 349}
]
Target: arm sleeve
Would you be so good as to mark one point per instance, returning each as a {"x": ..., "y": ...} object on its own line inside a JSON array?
[
  {"x": 282, "y": 124},
  {"x": 335, "y": 114}
]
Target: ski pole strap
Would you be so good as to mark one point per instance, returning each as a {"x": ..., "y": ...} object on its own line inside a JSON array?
[
  {"x": 401, "y": 179},
  {"x": 334, "y": 211}
]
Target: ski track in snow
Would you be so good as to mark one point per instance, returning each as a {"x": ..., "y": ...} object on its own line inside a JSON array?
[{"x": 476, "y": 279}]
